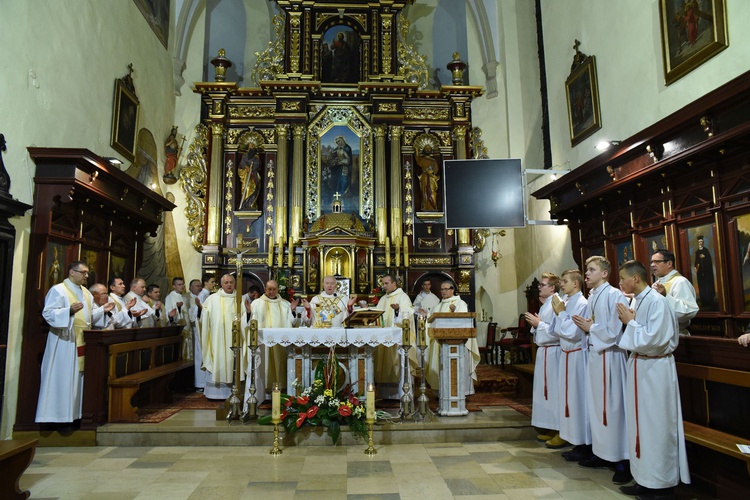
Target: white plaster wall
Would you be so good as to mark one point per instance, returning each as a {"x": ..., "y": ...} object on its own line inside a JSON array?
[
  {"x": 625, "y": 37},
  {"x": 57, "y": 90}
]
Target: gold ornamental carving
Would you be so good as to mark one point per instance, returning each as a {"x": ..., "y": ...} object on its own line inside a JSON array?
[
  {"x": 250, "y": 138},
  {"x": 294, "y": 45},
  {"x": 412, "y": 65},
  {"x": 322, "y": 17},
  {"x": 408, "y": 200},
  {"x": 232, "y": 135},
  {"x": 228, "y": 205},
  {"x": 291, "y": 106},
  {"x": 270, "y": 62},
  {"x": 252, "y": 112},
  {"x": 464, "y": 281},
  {"x": 430, "y": 261},
  {"x": 429, "y": 114},
  {"x": 387, "y": 107},
  {"x": 193, "y": 178},
  {"x": 387, "y": 23},
  {"x": 269, "y": 134},
  {"x": 270, "y": 184},
  {"x": 429, "y": 243},
  {"x": 476, "y": 144},
  {"x": 445, "y": 137}
]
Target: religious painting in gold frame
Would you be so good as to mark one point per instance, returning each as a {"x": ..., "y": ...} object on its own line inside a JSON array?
[
  {"x": 582, "y": 92},
  {"x": 339, "y": 139},
  {"x": 124, "y": 120},
  {"x": 692, "y": 32}
]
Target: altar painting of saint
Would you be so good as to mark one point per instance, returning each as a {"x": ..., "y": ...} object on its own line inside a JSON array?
[
  {"x": 55, "y": 262},
  {"x": 339, "y": 55},
  {"x": 429, "y": 176},
  {"x": 248, "y": 171},
  {"x": 339, "y": 167},
  {"x": 624, "y": 252},
  {"x": 743, "y": 241},
  {"x": 90, "y": 257},
  {"x": 702, "y": 245}
]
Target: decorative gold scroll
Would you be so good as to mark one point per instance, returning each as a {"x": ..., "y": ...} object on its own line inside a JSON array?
[{"x": 193, "y": 182}]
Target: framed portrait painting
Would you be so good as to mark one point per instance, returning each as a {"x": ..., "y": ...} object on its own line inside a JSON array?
[
  {"x": 743, "y": 250},
  {"x": 124, "y": 120},
  {"x": 692, "y": 32},
  {"x": 702, "y": 251},
  {"x": 623, "y": 252},
  {"x": 582, "y": 94}
]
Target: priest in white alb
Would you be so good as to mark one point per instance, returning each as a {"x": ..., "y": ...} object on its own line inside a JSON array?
[
  {"x": 271, "y": 311},
  {"x": 177, "y": 301},
  {"x": 388, "y": 361},
  {"x": 218, "y": 313},
  {"x": 451, "y": 303},
  {"x": 328, "y": 309}
]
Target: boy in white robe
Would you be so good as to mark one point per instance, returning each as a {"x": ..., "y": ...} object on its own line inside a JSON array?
[
  {"x": 545, "y": 409},
  {"x": 425, "y": 299},
  {"x": 574, "y": 419},
  {"x": 656, "y": 438},
  {"x": 607, "y": 365}
]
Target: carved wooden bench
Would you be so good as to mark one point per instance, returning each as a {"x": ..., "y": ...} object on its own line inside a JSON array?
[
  {"x": 702, "y": 434},
  {"x": 132, "y": 364},
  {"x": 15, "y": 457}
]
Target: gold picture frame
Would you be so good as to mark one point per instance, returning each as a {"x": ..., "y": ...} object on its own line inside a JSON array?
[
  {"x": 690, "y": 35},
  {"x": 124, "y": 118},
  {"x": 582, "y": 96}
]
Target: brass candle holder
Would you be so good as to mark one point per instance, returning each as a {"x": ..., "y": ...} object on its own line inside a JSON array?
[
  {"x": 370, "y": 451},
  {"x": 275, "y": 450}
]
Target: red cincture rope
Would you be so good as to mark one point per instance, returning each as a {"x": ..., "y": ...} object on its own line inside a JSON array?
[{"x": 567, "y": 412}]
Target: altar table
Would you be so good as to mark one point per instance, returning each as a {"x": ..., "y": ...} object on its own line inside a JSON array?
[{"x": 299, "y": 344}]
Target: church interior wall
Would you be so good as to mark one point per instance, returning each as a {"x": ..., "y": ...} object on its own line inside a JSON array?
[{"x": 59, "y": 94}]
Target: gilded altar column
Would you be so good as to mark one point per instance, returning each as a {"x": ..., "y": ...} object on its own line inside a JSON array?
[
  {"x": 298, "y": 155},
  {"x": 459, "y": 134},
  {"x": 282, "y": 160},
  {"x": 396, "y": 176},
  {"x": 215, "y": 201},
  {"x": 380, "y": 199}
]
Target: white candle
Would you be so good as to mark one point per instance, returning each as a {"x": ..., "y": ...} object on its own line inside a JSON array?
[
  {"x": 405, "y": 340},
  {"x": 270, "y": 251},
  {"x": 291, "y": 253},
  {"x": 387, "y": 252},
  {"x": 406, "y": 251},
  {"x": 370, "y": 404},
  {"x": 276, "y": 404},
  {"x": 280, "y": 255}
]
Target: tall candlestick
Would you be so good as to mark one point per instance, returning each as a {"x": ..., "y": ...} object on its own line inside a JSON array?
[
  {"x": 270, "y": 251},
  {"x": 291, "y": 253},
  {"x": 405, "y": 337},
  {"x": 276, "y": 404},
  {"x": 254, "y": 333},
  {"x": 370, "y": 404},
  {"x": 422, "y": 331},
  {"x": 406, "y": 251},
  {"x": 387, "y": 252},
  {"x": 280, "y": 254}
]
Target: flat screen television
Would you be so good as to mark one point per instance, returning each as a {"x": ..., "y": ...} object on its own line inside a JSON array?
[{"x": 483, "y": 193}]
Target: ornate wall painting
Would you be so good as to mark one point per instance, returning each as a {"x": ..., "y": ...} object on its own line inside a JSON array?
[
  {"x": 339, "y": 160},
  {"x": 582, "y": 93},
  {"x": 124, "y": 119},
  {"x": 623, "y": 252},
  {"x": 249, "y": 172},
  {"x": 91, "y": 258},
  {"x": 156, "y": 13},
  {"x": 701, "y": 244},
  {"x": 743, "y": 242},
  {"x": 116, "y": 267},
  {"x": 692, "y": 32},
  {"x": 655, "y": 242},
  {"x": 428, "y": 161},
  {"x": 55, "y": 266},
  {"x": 339, "y": 55}
]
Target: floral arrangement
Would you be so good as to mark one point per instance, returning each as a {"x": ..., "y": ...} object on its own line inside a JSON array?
[
  {"x": 322, "y": 405},
  {"x": 377, "y": 292}
]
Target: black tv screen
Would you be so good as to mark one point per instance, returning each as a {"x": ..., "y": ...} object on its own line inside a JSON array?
[{"x": 483, "y": 193}]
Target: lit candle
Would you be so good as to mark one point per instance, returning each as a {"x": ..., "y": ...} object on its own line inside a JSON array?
[
  {"x": 406, "y": 251},
  {"x": 270, "y": 251},
  {"x": 387, "y": 252},
  {"x": 280, "y": 255},
  {"x": 276, "y": 404},
  {"x": 370, "y": 404},
  {"x": 291, "y": 253}
]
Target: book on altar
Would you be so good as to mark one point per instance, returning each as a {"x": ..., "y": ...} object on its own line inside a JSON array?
[{"x": 363, "y": 318}]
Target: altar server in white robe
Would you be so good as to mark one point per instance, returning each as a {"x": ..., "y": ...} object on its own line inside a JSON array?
[
  {"x": 68, "y": 309},
  {"x": 194, "y": 314},
  {"x": 388, "y": 361},
  {"x": 450, "y": 303},
  {"x": 572, "y": 375},
  {"x": 607, "y": 365},
  {"x": 656, "y": 438},
  {"x": 272, "y": 311},
  {"x": 178, "y": 307},
  {"x": 545, "y": 409},
  {"x": 328, "y": 306},
  {"x": 425, "y": 299},
  {"x": 137, "y": 292},
  {"x": 217, "y": 316}
]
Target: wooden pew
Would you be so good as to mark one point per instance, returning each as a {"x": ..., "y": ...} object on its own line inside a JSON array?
[
  {"x": 702, "y": 434},
  {"x": 15, "y": 456},
  {"x": 132, "y": 364}
]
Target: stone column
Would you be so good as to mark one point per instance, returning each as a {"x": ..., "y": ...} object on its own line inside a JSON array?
[
  {"x": 380, "y": 181},
  {"x": 298, "y": 188},
  {"x": 215, "y": 200}
]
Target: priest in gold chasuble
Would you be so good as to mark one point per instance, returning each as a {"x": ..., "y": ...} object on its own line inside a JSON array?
[
  {"x": 328, "y": 309},
  {"x": 397, "y": 308}
]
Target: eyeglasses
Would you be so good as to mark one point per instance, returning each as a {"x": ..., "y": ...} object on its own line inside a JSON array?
[
  {"x": 658, "y": 261},
  {"x": 77, "y": 271},
  {"x": 444, "y": 289}
]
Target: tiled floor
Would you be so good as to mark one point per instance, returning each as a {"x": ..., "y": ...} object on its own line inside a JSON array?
[{"x": 514, "y": 469}]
